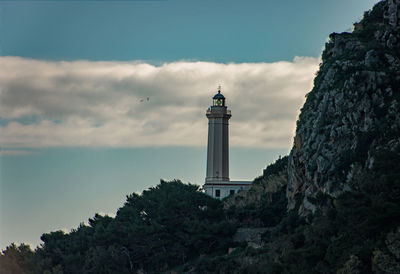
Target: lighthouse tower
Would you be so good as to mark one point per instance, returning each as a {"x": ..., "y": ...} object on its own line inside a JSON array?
[
  {"x": 218, "y": 140},
  {"x": 217, "y": 183}
]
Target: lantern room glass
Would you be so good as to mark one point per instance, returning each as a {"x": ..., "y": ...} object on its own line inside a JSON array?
[{"x": 219, "y": 102}]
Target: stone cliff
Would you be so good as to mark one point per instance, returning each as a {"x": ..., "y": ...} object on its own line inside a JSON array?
[{"x": 352, "y": 113}]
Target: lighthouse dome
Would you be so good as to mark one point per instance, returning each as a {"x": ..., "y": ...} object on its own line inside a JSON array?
[
  {"x": 219, "y": 99},
  {"x": 218, "y": 95}
]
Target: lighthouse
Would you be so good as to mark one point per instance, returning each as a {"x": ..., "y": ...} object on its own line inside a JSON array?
[{"x": 217, "y": 183}]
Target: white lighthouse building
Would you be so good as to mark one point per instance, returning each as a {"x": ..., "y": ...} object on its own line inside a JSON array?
[{"x": 217, "y": 183}]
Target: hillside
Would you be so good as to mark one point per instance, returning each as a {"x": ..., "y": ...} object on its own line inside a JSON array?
[
  {"x": 349, "y": 125},
  {"x": 343, "y": 172},
  {"x": 331, "y": 206}
]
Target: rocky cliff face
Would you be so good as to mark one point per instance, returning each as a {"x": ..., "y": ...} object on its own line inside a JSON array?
[{"x": 353, "y": 111}]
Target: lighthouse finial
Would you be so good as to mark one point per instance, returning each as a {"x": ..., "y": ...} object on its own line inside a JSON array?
[{"x": 219, "y": 89}]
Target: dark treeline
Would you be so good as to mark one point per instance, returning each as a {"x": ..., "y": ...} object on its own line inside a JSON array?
[
  {"x": 166, "y": 226},
  {"x": 174, "y": 226}
]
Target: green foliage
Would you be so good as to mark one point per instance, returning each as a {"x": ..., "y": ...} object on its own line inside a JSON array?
[
  {"x": 166, "y": 226},
  {"x": 16, "y": 260},
  {"x": 276, "y": 168},
  {"x": 351, "y": 234},
  {"x": 388, "y": 262},
  {"x": 320, "y": 199},
  {"x": 346, "y": 235},
  {"x": 357, "y": 155},
  {"x": 171, "y": 227},
  {"x": 264, "y": 204},
  {"x": 371, "y": 22}
]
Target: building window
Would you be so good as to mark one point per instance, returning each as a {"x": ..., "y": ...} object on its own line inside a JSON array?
[
  {"x": 217, "y": 193},
  {"x": 231, "y": 192}
]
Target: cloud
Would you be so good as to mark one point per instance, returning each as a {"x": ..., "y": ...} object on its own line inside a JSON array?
[{"x": 87, "y": 103}]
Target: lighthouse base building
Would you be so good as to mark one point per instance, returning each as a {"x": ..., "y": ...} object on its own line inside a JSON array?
[
  {"x": 221, "y": 190},
  {"x": 217, "y": 183}
]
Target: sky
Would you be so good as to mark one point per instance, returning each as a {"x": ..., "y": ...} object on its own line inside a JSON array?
[{"x": 99, "y": 99}]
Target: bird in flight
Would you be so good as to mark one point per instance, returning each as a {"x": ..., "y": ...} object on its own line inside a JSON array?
[{"x": 147, "y": 99}]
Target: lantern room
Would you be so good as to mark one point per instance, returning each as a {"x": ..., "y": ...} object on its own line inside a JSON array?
[{"x": 219, "y": 100}]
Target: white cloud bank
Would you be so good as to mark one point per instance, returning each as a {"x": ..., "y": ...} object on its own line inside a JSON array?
[{"x": 85, "y": 103}]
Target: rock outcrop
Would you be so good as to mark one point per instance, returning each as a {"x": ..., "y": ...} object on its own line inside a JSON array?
[{"x": 352, "y": 112}]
